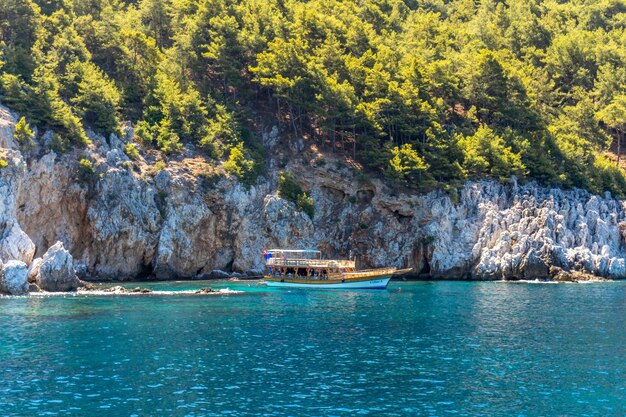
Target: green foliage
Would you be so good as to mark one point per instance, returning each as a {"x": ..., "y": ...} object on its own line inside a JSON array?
[
  {"x": 182, "y": 110},
  {"x": 486, "y": 154},
  {"x": 425, "y": 92},
  {"x": 24, "y": 135},
  {"x": 86, "y": 170},
  {"x": 13, "y": 93},
  {"x": 168, "y": 141},
  {"x": 608, "y": 177},
  {"x": 95, "y": 97},
  {"x": 131, "y": 150},
  {"x": 240, "y": 165},
  {"x": 486, "y": 86},
  {"x": 614, "y": 114},
  {"x": 69, "y": 127},
  {"x": 59, "y": 143},
  {"x": 406, "y": 162},
  {"x": 159, "y": 166},
  {"x": 143, "y": 133},
  {"x": 222, "y": 129},
  {"x": 306, "y": 205},
  {"x": 20, "y": 22},
  {"x": 289, "y": 189},
  {"x": 211, "y": 147},
  {"x": 47, "y": 108},
  {"x": 3, "y": 163}
]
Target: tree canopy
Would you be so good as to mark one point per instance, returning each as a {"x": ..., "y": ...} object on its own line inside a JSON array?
[{"x": 422, "y": 91}]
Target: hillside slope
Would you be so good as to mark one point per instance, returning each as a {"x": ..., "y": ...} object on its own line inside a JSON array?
[
  {"x": 424, "y": 93},
  {"x": 126, "y": 220},
  {"x": 171, "y": 138}
]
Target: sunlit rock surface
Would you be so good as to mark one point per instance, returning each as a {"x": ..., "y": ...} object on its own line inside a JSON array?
[
  {"x": 56, "y": 272},
  {"x": 14, "y": 242},
  {"x": 126, "y": 221},
  {"x": 13, "y": 278}
]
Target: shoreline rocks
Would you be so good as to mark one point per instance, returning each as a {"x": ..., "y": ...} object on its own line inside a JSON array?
[
  {"x": 14, "y": 278},
  {"x": 129, "y": 223},
  {"x": 56, "y": 271},
  {"x": 118, "y": 289}
]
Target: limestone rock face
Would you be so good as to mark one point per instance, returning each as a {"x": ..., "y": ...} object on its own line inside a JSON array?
[
  {"x": 533, "y": 228},
  {"x": 123, "y": 221},
  {"x": 189, "y": 233},
  {"x": 14, "y": 242},
  {"x": 33, "y": 269},
  {"x": 124, "y": 225},
  {"x": 533, "y": 267},
  {"x": 52, "y": 204},
  {"x": 13, "y": 279},
  {"x": 126, "y": 221},
  {"x": 56, "y": 272},
  {"x": 7, "y": 126}
]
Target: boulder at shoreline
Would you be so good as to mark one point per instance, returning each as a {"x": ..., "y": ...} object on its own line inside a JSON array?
[
  {"x": 56, "y": 272},
  {"x": 14, "y": 278}
]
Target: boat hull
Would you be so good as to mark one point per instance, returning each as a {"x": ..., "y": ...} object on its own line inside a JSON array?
[{"x": 374, "y": 283}]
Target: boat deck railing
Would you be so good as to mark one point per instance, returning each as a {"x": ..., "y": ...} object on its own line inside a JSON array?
[
  {"x": 311, "y": 263},
  {"x": 368, "y": 272}
]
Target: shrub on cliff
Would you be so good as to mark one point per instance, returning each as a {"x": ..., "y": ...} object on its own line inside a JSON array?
[
  {"x": 239, "y": 165},
  {"x": 3, "y": 163},
  {"x": 131, "y": 151},
  {"x": 143, "y": 133},
  {"x": 289, "y": 189},
  {"x": 168, "y": 141},
  {"x": 486, "y": 154},
  {"x": 59, "y": 143},
  {"x": 156, "y": 168},
  {"x": 86, "y": 170},
  {"x": 406, "y": 163},
  {"x": 306, "y": 205},
  {"x": 24, "y": 135}
]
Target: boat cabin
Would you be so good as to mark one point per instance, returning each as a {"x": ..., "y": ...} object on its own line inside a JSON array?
[{"x": 303, "y": 264}]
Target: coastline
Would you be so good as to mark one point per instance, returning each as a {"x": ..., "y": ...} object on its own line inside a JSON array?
[
  {"x": 125, "y": 224},
  {"x": 135, "y": 289}
]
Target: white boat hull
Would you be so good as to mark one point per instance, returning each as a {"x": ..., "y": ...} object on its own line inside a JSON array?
[{"x": 371, "y": 284}]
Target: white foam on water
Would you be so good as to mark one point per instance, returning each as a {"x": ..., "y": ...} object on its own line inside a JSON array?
[
  {"x": 529, "y": 281},
  {"x": 80, "y": 293}
]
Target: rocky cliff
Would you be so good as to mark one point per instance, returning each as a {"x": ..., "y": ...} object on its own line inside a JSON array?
[{"x": 128, "y": 219}]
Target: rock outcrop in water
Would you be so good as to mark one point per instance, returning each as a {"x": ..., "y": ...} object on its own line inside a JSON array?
[
  {"x": 13, "y": 278},
  {"x": 56, "y": 271},
  {"x": 129, "y": 221}
]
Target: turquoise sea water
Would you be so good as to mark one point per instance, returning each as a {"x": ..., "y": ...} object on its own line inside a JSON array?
[{"x": 418, "y": 348}]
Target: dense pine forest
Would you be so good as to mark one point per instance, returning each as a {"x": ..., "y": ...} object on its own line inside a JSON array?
[{"x": 424, "y": 93}]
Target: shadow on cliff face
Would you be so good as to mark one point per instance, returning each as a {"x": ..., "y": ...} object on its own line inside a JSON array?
[
  {"x": 146, "y": 273},
  {"x": 420, "y": 260},
  {"x": 143, "y": 220}
]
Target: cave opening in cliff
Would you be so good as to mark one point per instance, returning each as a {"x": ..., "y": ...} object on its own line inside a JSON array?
[
  {"x": 229, "y": 265},
  {"x": 425, "y": 272},
  {"x": 146, "y": 272}
]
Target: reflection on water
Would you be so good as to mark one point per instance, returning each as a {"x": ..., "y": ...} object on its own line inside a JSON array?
[{"x": 416, "y": 349}]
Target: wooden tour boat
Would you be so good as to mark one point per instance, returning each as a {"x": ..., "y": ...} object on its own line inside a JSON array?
[{"x": 306, "y": 269}]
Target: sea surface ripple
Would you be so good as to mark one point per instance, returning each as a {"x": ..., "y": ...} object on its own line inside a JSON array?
[{"x": 418, "y": 348}]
